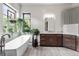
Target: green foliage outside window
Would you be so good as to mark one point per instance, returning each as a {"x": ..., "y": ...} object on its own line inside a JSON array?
[
  {"x": 20, "y": 24},
  {"x": 5, "y": 24},
  {"x": 26, "y": 27}
]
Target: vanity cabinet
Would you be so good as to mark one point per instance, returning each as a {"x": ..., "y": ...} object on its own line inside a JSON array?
[
  {"x": 77, "y": 43},
  {"x": 69, "y": 41},
  {"x": 54, "y": 40},
  {"x": 60, "y": 40}
]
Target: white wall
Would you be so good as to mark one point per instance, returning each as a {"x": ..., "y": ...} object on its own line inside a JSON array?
[
  {"x": 38, "y": 11},
  {"x": 71, "y": 29},
  {"x": 1, "y": 18},
  {"x": 16, "y": 7}
]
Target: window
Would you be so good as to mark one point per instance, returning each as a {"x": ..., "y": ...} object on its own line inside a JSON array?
[
  {"x": 9, "y": 19},
  {"x": 27, "y": 22}
]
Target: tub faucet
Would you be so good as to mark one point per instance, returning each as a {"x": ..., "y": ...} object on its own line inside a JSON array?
[
  {"x": 2, "y": 42},
  {"x": 5, "y": 35}
]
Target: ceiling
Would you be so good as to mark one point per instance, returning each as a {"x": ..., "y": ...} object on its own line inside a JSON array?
[{"x": 45, "y": 3}]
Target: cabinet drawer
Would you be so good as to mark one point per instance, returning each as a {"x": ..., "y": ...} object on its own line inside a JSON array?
[{"x": 69, "y": 36}]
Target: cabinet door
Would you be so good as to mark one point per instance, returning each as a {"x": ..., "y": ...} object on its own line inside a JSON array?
[
  {"x": 60, "y": 40},
  {"x": 43, "y": 40},
  {"x": 77, "y": 44},
  {"x": 52, "y": 40},
  {"x": 48, "y": 40},
  {"x": 69, "y": 43},
  {"x": 65, "y": 42}
]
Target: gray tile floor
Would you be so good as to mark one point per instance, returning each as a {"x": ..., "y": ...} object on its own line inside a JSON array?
[{"x": 50, "y": 51}]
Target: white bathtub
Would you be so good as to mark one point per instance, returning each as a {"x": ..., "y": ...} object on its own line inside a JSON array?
[{"x": 17, "y": 46}]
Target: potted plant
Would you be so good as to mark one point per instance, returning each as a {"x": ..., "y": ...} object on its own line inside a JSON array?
[
  {"x": 35, "y": 37},
  {"x": 35, "y": 31}
]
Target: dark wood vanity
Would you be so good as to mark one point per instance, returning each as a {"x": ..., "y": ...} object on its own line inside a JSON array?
[
  {"x": 54, "y": 40},
  {"x": 77, "y": 43},
  {"x": 69, "y": 41},
  {"x": 60, "y": 40}
]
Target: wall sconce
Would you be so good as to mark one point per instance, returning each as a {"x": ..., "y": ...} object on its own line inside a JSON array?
[{"x": 49, "y": 16}]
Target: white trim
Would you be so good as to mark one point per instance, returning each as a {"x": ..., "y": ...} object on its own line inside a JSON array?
[{"x": 11, "y": 6}]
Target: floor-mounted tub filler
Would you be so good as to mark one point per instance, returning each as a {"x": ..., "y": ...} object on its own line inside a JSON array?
[{"x": 17, "y": 46}]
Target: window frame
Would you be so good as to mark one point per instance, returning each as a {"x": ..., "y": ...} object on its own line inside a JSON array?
[{"x": 28, "y": 14}]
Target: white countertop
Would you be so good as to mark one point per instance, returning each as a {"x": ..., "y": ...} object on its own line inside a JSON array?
[
  {"x": 16, "y": 43},
  {"x": 70, "y": 33},
  {"x": 59, "y": 33},
  {"x": 50, "y": 32}
]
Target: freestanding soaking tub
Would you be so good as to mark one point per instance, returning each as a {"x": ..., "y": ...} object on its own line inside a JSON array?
[{"x": 17, "y": 46}]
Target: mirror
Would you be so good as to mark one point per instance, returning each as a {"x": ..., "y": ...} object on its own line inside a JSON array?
[{"x": 49, "y": 23}]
